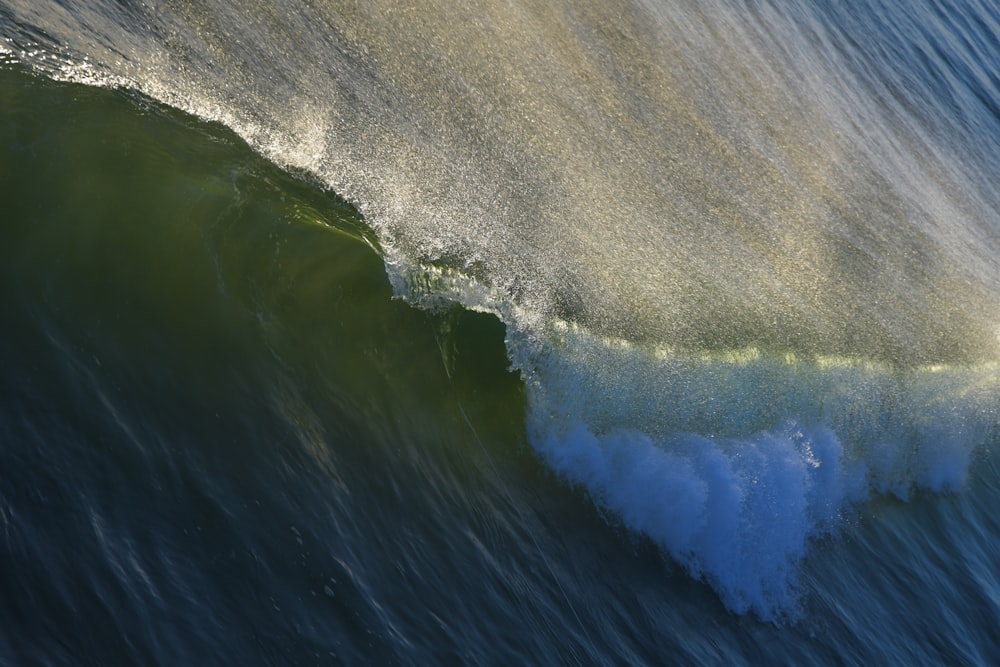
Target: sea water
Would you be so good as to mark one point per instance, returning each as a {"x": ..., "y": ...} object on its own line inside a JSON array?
[{"x": 650, "y": 333}]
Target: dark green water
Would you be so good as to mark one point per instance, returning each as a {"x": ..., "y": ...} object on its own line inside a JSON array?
[{"x": 213, "y": 412}]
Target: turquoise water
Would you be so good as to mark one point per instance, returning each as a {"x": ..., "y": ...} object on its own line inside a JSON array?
[{"x": 327, "y": 341}]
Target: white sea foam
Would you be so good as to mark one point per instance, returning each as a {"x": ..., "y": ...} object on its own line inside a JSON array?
[
  {"x": 733, "y": 462},
  {"x": 736, "y": 512}
]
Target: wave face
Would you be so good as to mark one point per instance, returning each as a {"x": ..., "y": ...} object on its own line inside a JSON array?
[{"x": 748, "y": 257}]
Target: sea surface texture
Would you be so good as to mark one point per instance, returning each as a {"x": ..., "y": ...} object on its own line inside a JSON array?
[{"x": 574, "y": 332}]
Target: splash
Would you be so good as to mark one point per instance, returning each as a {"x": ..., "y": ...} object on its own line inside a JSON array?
[{"x": 734, "y": 462}]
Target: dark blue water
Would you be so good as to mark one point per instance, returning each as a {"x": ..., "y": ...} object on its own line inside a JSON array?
[{"x": 536, "y": 334}]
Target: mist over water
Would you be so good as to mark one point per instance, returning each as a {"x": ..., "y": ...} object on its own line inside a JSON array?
[
  {"x": 694, "y": 175},
  {"x": 748, "y": 257}
]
